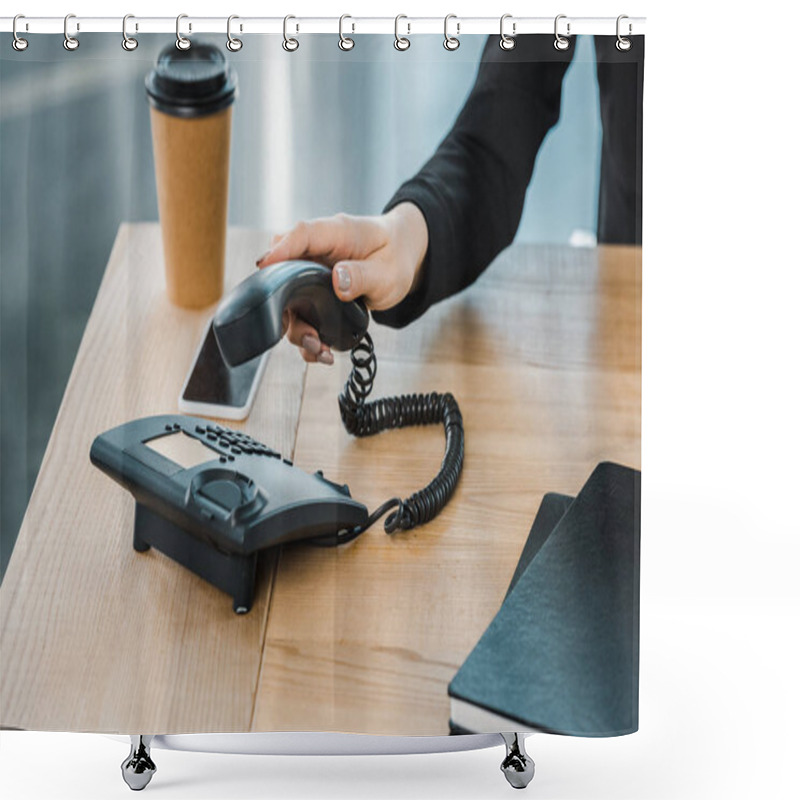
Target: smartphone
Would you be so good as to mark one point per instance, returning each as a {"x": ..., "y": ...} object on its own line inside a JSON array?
[{"x": 213, "y": 389}]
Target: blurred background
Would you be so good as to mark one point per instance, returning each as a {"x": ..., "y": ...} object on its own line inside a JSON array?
[{"x": 314, "y": 132}]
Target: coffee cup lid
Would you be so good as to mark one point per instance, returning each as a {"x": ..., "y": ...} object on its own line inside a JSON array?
[{"x": 191, "y": 83}]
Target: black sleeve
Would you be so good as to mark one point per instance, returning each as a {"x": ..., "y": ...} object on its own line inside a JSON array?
[
  {"x": 620, "y": 78},
  {"x": 472, "y": 190}
]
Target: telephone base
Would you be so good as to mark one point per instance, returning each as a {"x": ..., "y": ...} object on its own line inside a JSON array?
[{"x": 233, "y": 574}]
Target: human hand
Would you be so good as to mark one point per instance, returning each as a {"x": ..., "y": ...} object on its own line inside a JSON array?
[{"x": 376, "y": 258}]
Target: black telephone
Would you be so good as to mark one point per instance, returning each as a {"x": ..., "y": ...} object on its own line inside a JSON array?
[{"x": 211, "y": 498}]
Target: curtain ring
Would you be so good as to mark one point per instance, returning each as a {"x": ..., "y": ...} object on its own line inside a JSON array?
[
  {"x": 70, "y": 42},
  {"x": 561, "y": 42},
  {"x": 233, "y": 44},
  {"x": 345, "y": 42},
  {"x": 623, "y": 44},
  {"x": 289, "y": 44},
  {"x": 128, "y": 43},
  {"x": 181, "y": 42},
  {"x": 451, "y": 42},
  {"x": 400, "y": 42},
  {"x": 18, "y": 43},
  {"x": 507, "y": 42}
]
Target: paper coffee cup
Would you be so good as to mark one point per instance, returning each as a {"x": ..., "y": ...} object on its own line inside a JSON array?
[{"x": 191, "y": 94}]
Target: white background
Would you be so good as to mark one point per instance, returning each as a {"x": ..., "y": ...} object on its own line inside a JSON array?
[{"x": 720, "y": 531}]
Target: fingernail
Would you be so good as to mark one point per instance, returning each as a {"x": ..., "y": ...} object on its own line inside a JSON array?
[
  {"x": 343, "y": 276},
  {"x": 263, "y": 258},
  {"x": 311, "y": 343},
  {"x": 325, "y": 357}
]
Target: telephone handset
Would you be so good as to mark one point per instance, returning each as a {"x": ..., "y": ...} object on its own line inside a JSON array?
[{"x": 249, "y": 321}]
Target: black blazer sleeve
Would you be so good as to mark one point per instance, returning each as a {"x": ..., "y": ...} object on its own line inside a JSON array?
[
  {"x": 620, "y": 77},
  {"x": 472, "y": 190}
]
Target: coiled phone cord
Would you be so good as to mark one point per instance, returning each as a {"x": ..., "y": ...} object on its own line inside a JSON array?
[{"x": 363, "y": 418}]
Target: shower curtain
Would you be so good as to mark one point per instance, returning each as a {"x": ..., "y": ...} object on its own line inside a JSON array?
[{"x": 483, "y": 199}]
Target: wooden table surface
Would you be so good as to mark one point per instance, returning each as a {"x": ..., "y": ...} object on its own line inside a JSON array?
[{"x": 543, "y": 354}]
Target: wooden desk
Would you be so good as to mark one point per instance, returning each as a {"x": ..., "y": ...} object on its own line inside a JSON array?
[{"x": 543, "y": 355}]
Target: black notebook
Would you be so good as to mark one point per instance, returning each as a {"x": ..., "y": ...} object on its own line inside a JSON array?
[
  {"x": 551, "y": 509},
  {"x": 562, "y": 654}
]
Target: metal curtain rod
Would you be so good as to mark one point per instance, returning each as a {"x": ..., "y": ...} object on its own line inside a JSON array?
[{"x": 460, "y": 26}]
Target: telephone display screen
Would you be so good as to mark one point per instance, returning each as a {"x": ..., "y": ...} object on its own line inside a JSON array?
[{"x": 181, "y": 449}]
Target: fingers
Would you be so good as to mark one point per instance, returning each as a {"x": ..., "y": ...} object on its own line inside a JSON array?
[
  {"x": 262, "y": 260},
  {"x": 304, "y": 336},
  {"x": 298, "y": 330},
  {"x": 317, "y": 239},
  {"x": 328, "y": 240}
]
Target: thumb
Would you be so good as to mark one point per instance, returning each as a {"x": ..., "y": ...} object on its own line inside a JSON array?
[{"x": 353, "y": 279}]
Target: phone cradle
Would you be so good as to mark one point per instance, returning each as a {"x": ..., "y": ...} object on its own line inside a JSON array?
[{"x": 232, "y": 573}]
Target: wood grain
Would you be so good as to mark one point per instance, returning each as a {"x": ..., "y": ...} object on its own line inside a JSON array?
[
  {"x": 543, "y": 355},
  {"x": 97, "y": 637}
]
